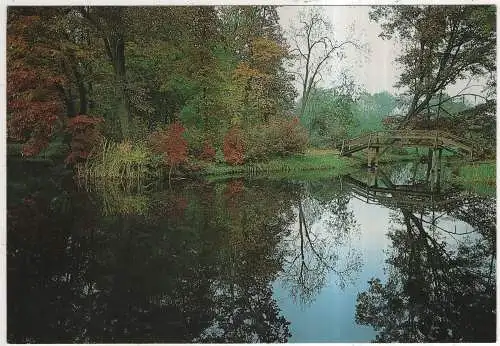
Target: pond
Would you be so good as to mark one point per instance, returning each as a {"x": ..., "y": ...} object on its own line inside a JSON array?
[{"x": 371, "y": 256}]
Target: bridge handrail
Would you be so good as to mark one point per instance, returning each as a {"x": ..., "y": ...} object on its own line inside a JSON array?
[{"x": 392, "y": 133}]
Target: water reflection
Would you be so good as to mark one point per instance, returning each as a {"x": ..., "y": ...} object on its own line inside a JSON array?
[
  {"x": 441, "y": 280},
  {"x": 321, "y": 242},
  {"x": 197, "y": 263}
]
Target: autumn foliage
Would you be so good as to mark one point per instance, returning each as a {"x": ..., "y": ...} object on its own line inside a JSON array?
[
  {"x": 171, "y": 144},
  {"x": 34, "y": 105},
  {"x": 85, "y": 136},
  {"x": 282, "y": 137},
  {"x": 234, "y": 149}
]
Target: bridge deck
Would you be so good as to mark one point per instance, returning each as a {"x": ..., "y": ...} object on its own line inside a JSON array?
[{"x": 408, "y": 138}]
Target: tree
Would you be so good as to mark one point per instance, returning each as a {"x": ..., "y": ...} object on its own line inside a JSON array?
[
  {"x": 172, "y": 145},
  {"x": 35, "y": 108},
  {"x": 261, "y": 85},
  {"x": 371, "y": 110},
  {"x": 440, "y": 46},
  {"x": 315, "y": 49},
  {"x": 330, "y": 115},
  {"x": 111, "y": 25}
]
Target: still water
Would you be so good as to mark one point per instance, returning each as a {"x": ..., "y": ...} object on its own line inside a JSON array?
[{"x": 357, "y": 258}]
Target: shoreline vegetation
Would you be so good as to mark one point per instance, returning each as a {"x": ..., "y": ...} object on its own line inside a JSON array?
[{"x": 138, "y": 165}]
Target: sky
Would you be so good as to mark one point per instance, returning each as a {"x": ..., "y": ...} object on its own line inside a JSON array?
[{"x": 376, "y": 70}]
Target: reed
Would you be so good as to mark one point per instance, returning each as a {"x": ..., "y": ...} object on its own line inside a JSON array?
[
  {"x": 478, "y": 172},
  {"x": 478, "y": 177},
  {"x": 121, "y": 163}
]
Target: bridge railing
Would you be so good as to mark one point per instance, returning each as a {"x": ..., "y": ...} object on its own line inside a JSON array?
[{"x": 382, "y": 136}]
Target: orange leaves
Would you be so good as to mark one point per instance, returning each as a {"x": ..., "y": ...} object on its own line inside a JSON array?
[
  {"x": 171, "y": 144},
  {"x": 175, "y": 145},
  {"x": 266, "y": 55},
  {"x": 244, "y": 72},
  {"x": 32, "y": 122},
  {"x": 234, "y": 149}
]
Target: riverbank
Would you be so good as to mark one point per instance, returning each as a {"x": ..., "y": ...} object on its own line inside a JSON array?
[{"x": 313, "y": 163}]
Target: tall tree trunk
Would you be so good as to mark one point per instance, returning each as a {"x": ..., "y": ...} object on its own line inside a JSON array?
[
  {"x": 110, "y": 23},
  {"x": 82, "y": 90},
  {"x": 116, "y": 52}
]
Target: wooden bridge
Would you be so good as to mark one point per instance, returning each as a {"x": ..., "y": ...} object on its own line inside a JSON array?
[{"x": 375, "y": 141}]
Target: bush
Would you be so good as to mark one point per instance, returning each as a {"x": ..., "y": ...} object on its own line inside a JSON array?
[
  {"x": 171, "y": 144},
  {"x": 280, "y": 137},
  {"x": 234, "y": 148}
]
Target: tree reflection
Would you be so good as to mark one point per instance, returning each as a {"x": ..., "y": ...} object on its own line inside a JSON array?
[
  {"x": 441, "y": 283},
  {"x": 320, "y": 243},
  {"x": 94, "y": 272}
]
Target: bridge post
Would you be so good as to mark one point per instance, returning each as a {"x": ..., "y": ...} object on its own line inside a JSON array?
[
  {"x": 438, "y": 178},
  {"x": 436, "y": 169},
  {"x": 429, "y": 163}
]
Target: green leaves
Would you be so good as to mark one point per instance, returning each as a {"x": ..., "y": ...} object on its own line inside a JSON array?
[{"x": 441, "y": 45}]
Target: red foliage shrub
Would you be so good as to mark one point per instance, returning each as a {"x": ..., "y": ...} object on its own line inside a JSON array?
[
  {"x": 171, "y": 144},
  {"x": 34, "y": 103},
  {"x": 85, "y": 135},
  {"x": 234, "y": 149},
  {"x": 208, "y": 153}
]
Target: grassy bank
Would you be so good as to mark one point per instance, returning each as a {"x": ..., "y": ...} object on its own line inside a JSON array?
[
  {"x": 479, "y": 177},
  {"x": 313, "y": 163}
]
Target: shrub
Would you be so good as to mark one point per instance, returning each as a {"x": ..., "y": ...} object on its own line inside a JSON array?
[
  {"x": 279, "y": 137},
  {"x": 85, "y": 137},
  {"x": 292, "y": 137},
  {"x": 259, "y": 146},
  {"x": 234, "y": 148},
  {"x": 171, "y": 144}
]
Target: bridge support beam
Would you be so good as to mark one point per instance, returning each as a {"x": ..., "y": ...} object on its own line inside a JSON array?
[
  {"x": 435, "y": 175},
  {"x": 372, "y": 156}
]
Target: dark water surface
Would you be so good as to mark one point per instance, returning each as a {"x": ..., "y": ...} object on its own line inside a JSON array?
[{"x": 352, "y": 259}]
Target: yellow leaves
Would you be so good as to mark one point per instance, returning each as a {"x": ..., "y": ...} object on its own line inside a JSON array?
[
  {"x": 244, "y": 72},
  {"x": 266, "y": 53}
]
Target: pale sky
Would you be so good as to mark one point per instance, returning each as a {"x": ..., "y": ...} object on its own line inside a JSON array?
[{"x": 375, "y": 72}]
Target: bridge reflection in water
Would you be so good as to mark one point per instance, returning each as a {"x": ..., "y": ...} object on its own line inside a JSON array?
[{"x": 376, "y": 187}]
